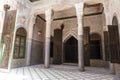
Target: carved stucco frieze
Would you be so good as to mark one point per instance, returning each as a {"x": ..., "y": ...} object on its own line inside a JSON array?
[
  {"x": 21, "y": 20},
  {"x": 70, "y": 32}
]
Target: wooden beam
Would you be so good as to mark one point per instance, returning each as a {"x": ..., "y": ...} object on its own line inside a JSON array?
[
  {"x": 41, "y": 18},
  {"x": 92, "y": 14},
  {"x": 63, "y": 18}
]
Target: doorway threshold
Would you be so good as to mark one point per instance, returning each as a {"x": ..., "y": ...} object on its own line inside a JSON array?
[{"x": 71, "y": 64}]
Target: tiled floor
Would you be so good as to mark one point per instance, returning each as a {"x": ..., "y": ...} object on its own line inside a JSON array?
[{"x": 57, "y": 72}]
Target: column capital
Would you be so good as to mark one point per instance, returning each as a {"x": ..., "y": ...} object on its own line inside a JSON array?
[
  {"x": 105, "y": 28},
  {"x": 48, "y": 14},
  {"x": 79, "y": 14},
  {"x": 33, "y": 18},
  {"x": 6, "y": 7},
  {"x": 79, "y": 8}
]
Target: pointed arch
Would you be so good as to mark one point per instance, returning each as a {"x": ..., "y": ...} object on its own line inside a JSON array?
[
  {"x": 69, "y": 36},
  {"x": 114, "y": 21}
]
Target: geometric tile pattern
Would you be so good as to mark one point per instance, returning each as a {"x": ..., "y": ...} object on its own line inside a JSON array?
[{"x": 57, "y": 72}]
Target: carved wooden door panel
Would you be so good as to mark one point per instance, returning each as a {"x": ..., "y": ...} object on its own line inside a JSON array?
[
  {"x": 86, "y": 39},
  {"x": 7, "y": 37},
  {"x": 57, "y": 46},
  {"x": 106, "y": 45},
  {"x": 114, "y": 44}
]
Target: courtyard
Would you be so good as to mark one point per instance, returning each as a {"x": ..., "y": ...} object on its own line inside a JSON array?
[{"x": 57, "y": 72}]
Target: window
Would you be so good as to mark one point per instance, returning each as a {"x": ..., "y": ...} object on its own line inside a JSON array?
[{"x": 20, "y": 44}]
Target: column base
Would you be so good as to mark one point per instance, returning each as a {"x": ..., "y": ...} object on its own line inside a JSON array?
[
  {"x": 81, "y": 69},
  {"x": 112, "y": 68},
  {"x": 46, "y": 67}
]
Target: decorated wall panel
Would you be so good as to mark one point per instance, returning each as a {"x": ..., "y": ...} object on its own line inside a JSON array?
[{"x": 7, "y": 37}]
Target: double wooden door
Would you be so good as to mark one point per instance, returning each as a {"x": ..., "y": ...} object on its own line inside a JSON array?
[{"x": 113, "y": 51}]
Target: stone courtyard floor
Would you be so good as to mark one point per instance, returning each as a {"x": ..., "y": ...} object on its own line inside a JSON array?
[{"x": 57, "y": 72}]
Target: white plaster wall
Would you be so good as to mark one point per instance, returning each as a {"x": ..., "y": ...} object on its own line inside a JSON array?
[
  {"x": 95, "y": 23},
  {"x": 70, "y": 28}
]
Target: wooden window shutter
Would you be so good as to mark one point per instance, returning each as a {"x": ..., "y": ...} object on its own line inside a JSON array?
[
  {"x": 114, "y": 44},
  {"x": 106, "y": 46},
  {"x": 86, "y": 39}
]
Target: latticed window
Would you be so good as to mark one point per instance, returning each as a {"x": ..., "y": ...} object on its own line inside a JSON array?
[{"x": 20, "y": 44}]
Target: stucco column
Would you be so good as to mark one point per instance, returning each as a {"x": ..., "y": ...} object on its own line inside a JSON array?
[
  {"x": 29, "y": 39},
  {"x": 79, "y": 13},
  {"x": 112, "y": 67},
  {"x": 47, "y": 37}
]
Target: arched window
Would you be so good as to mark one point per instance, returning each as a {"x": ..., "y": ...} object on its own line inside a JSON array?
[{"x": 20, "y": 44}]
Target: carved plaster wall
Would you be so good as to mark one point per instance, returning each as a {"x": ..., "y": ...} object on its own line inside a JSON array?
[{"x": 70, "y": 28}]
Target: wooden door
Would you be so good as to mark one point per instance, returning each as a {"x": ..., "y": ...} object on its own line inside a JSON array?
[
  {"x": 86, "y": 39},
  {"x": 114, "y": 44},
  {"x": 106, "y": 45},
  {"x": 57, "y": 46}
]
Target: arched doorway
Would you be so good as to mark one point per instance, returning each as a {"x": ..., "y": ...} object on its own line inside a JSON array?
[
  {"x": 95, "y": 46},
  {"x": 20, "y": 44},
  {"x": 51, "y": 49},
  {"x": 71, "y": 50}
]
